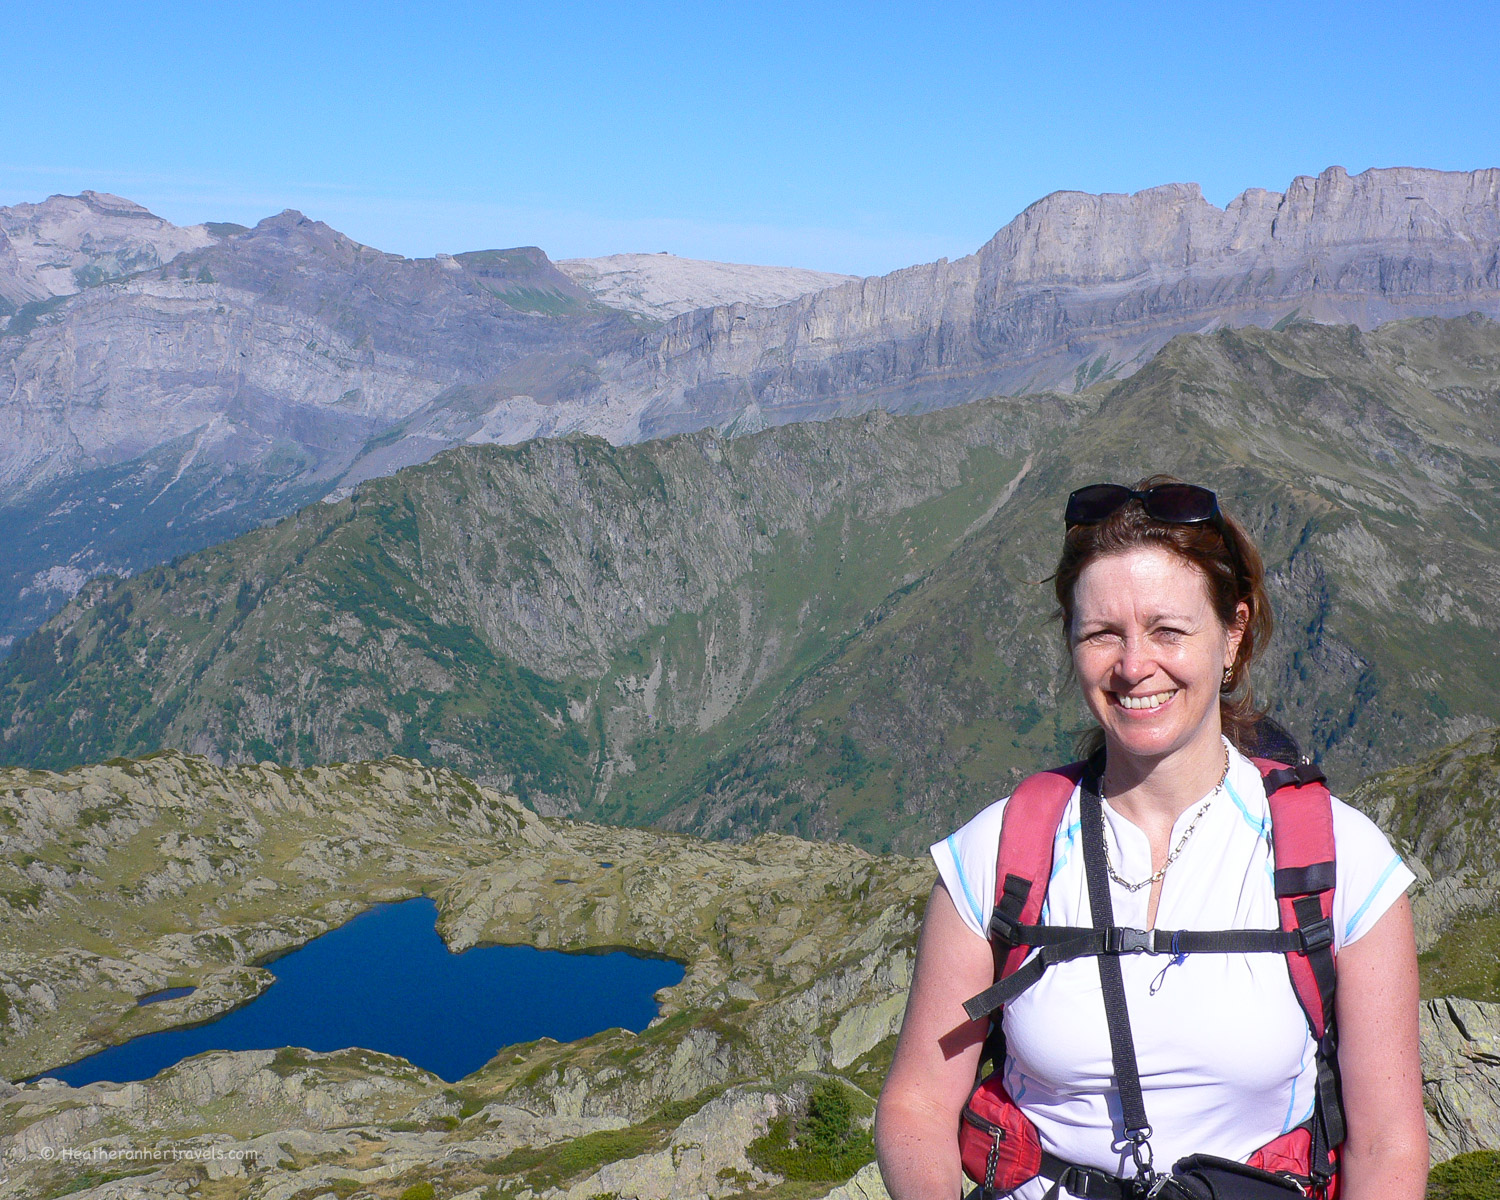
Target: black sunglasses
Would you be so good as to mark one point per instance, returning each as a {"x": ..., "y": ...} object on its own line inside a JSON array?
[{"x": 1170, "y": 503}]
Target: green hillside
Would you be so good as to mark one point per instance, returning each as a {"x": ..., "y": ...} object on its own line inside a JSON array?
[{"x": 837, "y": 629}]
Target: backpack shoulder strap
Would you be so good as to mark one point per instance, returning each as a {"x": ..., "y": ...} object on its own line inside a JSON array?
[
  {"x": 1024, "y": 863},
  {"x": 1306, "y": 870},
  {"x": 1302, "y": 841}
]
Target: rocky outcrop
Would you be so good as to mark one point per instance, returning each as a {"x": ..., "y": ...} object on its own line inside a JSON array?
[
  {"x": 1461, "y": 1075},
  {"x": 662, "y": 286}
]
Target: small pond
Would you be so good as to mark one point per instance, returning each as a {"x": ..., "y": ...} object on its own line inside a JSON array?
[{"x": 385, "y": 981}]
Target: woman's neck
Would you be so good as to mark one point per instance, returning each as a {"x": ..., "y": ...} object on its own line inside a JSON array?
[{"x": 1149, "y": 791}]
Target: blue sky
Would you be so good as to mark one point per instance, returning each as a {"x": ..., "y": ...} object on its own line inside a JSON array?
[{"x": 855, "y": 138}]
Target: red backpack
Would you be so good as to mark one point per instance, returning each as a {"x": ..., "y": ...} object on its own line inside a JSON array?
[{"x": 1001, "y": 1148}]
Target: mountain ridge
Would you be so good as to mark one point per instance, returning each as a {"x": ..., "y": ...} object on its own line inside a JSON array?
[
  {"x": 151, "y": 415},
  {"x": 832, "y": 628}
]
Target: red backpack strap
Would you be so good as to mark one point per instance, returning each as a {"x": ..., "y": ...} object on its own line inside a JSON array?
[
  {"x": 1024, "y": 864},
  {"x": 1302, "y": 836},
  {"x": 1306, "y": 870}
]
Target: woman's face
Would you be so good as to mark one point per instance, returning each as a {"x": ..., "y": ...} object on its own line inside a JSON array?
[{"x": 1149, "y": 651}]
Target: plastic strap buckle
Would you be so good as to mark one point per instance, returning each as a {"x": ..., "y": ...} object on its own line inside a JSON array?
[{"x": 1121, "y": 940}]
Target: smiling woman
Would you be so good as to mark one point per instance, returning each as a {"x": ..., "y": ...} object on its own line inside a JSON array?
[{"x": 1286, "y": 952}]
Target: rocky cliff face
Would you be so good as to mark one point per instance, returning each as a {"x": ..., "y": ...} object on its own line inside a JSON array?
[{"x": 1076, "y": 289}]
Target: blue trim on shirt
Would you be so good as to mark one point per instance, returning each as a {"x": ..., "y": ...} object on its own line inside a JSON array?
[
  {"x": 962, "y": 882},
  {"x": 1060, "y": 859},
  {"x": 1259, "y": 824},
  {"x": 1288, "y": 1124},
  {"x": 1370, "y": 899}
]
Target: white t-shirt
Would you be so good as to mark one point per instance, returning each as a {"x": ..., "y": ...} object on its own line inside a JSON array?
[{"x": 1225, "y": 1054}]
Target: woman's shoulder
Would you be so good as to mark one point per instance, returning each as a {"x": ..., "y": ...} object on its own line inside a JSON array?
[
  {"x": 966, "y": 864},
  {"x": 1370, "y": 874}
]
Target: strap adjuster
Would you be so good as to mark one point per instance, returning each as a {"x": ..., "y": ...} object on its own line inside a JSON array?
[
  {"x": 1316, "y": 935},
  {"x": 1003, "y": 929}
]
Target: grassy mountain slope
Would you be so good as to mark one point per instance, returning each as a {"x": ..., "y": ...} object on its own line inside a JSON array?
[
  {"x": 1365, "y": 464},
  {"x": 470, "y": 610},
  {"x": 1443, "y": 810},
  {"x": 835, "y": 628}
]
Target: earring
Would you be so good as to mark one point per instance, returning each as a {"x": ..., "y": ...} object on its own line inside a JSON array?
[{"x": 1228, "y": 675}]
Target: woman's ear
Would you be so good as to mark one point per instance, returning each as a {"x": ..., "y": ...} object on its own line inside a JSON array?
[{"x": 1236, "y": 633}]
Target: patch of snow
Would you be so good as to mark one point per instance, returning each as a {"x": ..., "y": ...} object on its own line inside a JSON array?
[{"x": 665, "y": 286}]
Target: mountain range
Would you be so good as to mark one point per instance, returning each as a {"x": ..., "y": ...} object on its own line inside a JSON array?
[
  {"x": 170, "y": 387},
  {"x": 833, "y": 628}
]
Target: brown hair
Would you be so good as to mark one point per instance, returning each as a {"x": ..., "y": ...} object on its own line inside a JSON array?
[{"x": 1229, "y": 562}]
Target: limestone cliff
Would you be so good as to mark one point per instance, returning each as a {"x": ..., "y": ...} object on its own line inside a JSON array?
[{"x": 1076, "y": 289}]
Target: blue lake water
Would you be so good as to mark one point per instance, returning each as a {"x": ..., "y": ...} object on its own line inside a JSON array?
[{"x": 385, "y": 981}]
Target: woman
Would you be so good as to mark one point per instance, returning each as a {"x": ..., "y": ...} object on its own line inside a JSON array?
[{"x": 1163, "y": 605}]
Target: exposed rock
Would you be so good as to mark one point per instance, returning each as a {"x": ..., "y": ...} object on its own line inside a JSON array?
[
  {"x": 1461, "y": 1075},
  {"x": 68, "y": 243},
  {"x": 865, "y": 1185},
  {"x": 705, "y": 1157}
]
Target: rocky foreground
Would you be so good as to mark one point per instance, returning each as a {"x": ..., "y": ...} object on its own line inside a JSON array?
[{"x": 135, "y": 875}]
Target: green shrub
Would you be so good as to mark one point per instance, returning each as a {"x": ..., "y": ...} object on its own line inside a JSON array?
[
  {"x": 825, "y": 1144},
  {"x": 420, "y": 1191},
  {"x": 1473, "y": 1176}
]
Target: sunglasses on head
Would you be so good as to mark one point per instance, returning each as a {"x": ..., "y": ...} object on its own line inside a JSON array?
[{"x": 1170, "y": 503}]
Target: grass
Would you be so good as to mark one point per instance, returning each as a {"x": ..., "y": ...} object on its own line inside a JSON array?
[
  {"x": 551, "y": 1166},
  {"x": 1465, "y": 961}
]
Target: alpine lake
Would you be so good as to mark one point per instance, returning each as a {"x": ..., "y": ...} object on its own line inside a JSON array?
[{"x": 384, "y": 981}]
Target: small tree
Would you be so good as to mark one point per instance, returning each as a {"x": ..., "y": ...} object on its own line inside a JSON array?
[{"x": 830, "y": 1117}]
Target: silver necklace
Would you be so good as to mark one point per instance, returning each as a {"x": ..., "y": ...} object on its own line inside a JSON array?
[{"x": 1176, "y": 850}]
